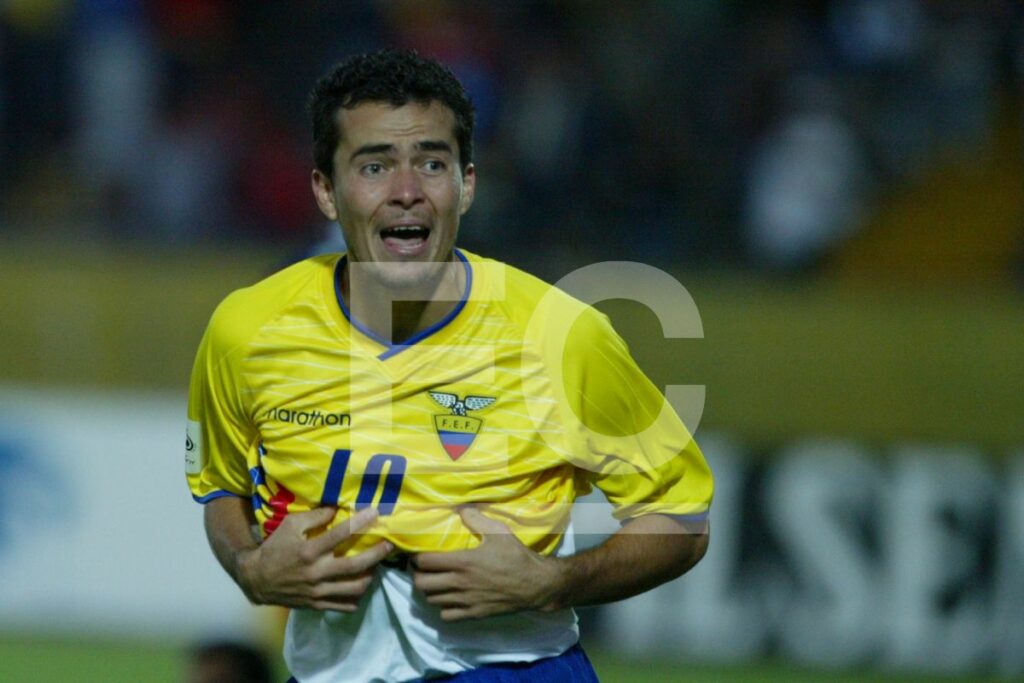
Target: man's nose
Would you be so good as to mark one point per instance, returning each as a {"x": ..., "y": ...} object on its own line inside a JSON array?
[{"x": 406, "y": 187}]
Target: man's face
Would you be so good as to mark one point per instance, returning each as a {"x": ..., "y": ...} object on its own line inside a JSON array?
[{"x": 398, "y": 190}]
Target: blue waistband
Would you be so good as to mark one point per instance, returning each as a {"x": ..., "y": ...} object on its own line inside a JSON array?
[{"x": 572, "y": 666}]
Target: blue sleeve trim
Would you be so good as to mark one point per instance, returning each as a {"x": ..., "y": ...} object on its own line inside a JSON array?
[
  {"x": 700, "y": 517},
  {"x": 216, "y": 494}
]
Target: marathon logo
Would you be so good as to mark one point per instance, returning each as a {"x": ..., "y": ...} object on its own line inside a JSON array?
[{"x": 309, "y": 418}]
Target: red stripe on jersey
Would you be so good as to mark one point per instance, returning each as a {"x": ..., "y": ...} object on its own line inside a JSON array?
[{"x": 279, "y": 504}]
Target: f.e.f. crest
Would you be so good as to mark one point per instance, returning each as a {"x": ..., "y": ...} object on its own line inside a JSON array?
[{"x": 457, "y": 430}]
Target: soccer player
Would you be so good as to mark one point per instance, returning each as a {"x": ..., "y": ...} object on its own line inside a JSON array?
[{"x": 390, "y": 441}]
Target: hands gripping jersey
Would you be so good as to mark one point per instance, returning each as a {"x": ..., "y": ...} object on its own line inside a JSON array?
[{"x": 295, "y": 405}]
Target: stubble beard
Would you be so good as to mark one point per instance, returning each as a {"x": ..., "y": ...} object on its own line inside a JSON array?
[{"x": 400, "y": 280}]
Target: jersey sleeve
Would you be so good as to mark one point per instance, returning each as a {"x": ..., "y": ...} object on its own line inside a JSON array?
[
  {"x": 219, "y": 432},
  {"x": 627, "y": 439}
]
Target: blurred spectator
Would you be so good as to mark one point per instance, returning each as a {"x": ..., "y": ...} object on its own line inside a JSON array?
[
  {"x": 116, "y": 71},
  {"x": 273, "y": 182},
  {"x": 227, "y": 662},
  {"x": 117, "y": 109},
  {"x": 460, "y": 35},
  {"x": 329, "y": 240},
  {"x": 877, "y": 34},
  {"x": 664, "y": 132},
  {"x": 183, "y": 193},
  {"x": 34, "y": 81},
  {"x": 544, "y": 123},
  {"x": 807, "y": 181},
  {"x": 963, "y": 78}
]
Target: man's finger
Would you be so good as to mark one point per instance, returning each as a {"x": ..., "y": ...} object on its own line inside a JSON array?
[
  {"x": 340, "y": 591},
  {"x": 333, "y": 537},
  {"x": 457, "y": 614},
  {"x": 449, "y": 600},
  {"x": 313, "y": 519},
  {"x": 431, "y": 582},
  {"x": 440, "y": 562},
  {"x": 361, "y": 520},
  {"x": 334, "y": 606},
  {"x": 480, "y": 523},
  {"x": 369, "y": 558}
]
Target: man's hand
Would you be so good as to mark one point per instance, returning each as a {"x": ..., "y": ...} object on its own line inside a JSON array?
[
  {"x": 293, "y": 570},
  {"x": 501, "y": 575}
]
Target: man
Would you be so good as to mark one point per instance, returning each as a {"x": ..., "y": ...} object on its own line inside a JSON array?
[{"x": 406, "y": 428}]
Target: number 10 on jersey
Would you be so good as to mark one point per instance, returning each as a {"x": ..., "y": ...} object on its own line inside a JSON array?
[{"x": 370, "y": 482}]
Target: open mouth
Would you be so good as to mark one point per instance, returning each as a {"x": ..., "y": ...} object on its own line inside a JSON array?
[{"x": 405, "y": 239}]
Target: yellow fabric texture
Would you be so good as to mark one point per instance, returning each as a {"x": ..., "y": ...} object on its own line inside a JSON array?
[{"x": 518, "y": 404}]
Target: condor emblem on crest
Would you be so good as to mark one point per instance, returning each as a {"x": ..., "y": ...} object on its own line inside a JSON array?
[{"x": 457, "y": 430}]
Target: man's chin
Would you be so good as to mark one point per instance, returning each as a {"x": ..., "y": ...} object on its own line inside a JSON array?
[{"x": 406, "y": 276}]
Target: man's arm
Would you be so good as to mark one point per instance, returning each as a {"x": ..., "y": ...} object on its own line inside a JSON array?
[
  {"x": 646, "y": 552},
  {"x": 291, "y": 568},
  {"x": 502, "y": 575}
]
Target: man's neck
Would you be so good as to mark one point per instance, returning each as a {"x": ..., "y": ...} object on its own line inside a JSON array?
[{"x": 398, "y": 314}]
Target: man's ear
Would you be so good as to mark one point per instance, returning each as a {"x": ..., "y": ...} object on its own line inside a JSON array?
[
  {"x": 468, "y": 188},
  {"x": 323, "y": 190}
]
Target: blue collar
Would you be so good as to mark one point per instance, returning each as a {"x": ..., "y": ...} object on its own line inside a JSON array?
[{"x": 393, "y": 348}]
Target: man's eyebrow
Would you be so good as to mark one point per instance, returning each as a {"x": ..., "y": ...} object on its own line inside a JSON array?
[
  {"x": 434, "y": 146},
  {"x": 386, "y": 148},
  {"x": 379, "y": 148}
]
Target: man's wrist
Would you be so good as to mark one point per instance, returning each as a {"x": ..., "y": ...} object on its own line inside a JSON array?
[
  {"x": 246, "y": 562},
  {"x": 558, "y": 583}
]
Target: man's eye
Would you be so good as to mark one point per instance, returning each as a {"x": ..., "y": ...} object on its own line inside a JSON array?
[
  {"x": 373, "y": 169},
  {"x": 435, "y": 165}
]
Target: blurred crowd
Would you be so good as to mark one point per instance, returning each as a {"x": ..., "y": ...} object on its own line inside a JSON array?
[{"x": 676, "y": 131}]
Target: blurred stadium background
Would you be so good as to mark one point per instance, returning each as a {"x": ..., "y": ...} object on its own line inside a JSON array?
[{"x": 839, "y": 185}]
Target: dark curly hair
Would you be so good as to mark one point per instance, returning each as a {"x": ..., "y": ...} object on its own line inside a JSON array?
[{"x": 393, "y": 76}]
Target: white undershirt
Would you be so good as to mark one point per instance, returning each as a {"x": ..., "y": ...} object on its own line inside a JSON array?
[{"x": 397, "y": 636}]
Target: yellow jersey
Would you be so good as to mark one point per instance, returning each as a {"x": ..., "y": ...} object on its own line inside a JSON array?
[{"x": 518, "y": 401}]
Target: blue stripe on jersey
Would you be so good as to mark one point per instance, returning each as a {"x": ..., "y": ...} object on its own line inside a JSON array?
[
  {"x": 335, "y": 475},
  {"x": 457, "y": 438}
]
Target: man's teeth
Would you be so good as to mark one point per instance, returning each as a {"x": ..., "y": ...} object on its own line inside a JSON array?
[{"x": 405, "y": 231}]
